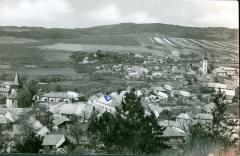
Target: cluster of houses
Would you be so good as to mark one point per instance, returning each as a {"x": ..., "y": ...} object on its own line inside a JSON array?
[{"x": 175, "y": 106}]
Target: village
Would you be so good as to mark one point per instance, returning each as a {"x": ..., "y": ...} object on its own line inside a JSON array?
[{"x": 179, "y": 94}]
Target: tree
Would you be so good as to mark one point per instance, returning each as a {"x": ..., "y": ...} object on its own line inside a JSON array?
[
  {"x": 129, "y": 130},
  {"x": 76, "y": 131},
  {"x": 25, "y": 97},
  {"x": 58, "y": 88},
  {"x": 214, "y": 134},
  {"x": 3, "y": 141},
  {"x": 220, "y": 124},
  {"x": 211, "y": 68},
  {"x": 32, "y": 143},
  {"x": 32, "y": 86}
]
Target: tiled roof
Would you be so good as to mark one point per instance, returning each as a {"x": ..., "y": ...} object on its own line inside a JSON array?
[
  {"x": 204, "y": 116},
  {"x": 184, "y": 116},
  {"x": 73, "y": 109},
  {"x": 52, "y": 139},
  {"x": 61, "y": 95},
  {"x": 174, "y": 132},
  {"x": 43, "y": 131},
  {"x": 209, "y": 107},
  {"x": 160, "y": 89},
  {"x": 60, "y": 120}
]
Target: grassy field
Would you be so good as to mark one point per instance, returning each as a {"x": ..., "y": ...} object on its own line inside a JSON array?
[
  {"x": 46, "y": 74},
  {"x": 11, "y": 40},
  {"x": 123, "y": 40},
  {"x": 93, "y": 48}
]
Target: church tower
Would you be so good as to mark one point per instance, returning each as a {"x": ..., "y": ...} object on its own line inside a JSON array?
[
  {"x": 16, "y": 83},
  {"x": 12, "y": 99},
  {"x": 205, "y": 65}
]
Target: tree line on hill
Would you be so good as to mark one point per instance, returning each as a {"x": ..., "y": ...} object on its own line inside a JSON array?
[{"x": 208, "y": 33}]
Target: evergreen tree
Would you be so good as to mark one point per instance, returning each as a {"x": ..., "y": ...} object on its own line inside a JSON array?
[
  {"x": 129, "y": 130},
  {"x": 32, "y": 143}
]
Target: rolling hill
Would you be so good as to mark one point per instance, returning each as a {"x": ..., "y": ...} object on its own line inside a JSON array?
[
  {"x": 36, "y": 45},
  {"x": 208, "y": 33}
]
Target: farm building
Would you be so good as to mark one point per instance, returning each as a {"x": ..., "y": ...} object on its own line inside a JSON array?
[
  {"x": 68, "y": 96},
  {"x": 176, "y": 135},
  {"x": 53, "y": 141},
  {"x": 102, "y": 104},
  {"x": 81, "y": 110},
  {"x": 38, "y": 127},
  {"x": 60, "y": 122}
]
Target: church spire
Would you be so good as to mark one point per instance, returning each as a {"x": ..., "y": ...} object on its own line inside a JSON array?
[{"x": 16, "y": 80}]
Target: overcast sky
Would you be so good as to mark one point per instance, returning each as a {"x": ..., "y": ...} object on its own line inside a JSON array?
[{"x": 86, "y": 13}]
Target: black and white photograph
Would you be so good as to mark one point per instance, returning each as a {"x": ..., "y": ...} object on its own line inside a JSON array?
[{"x": 119, "y": 77}]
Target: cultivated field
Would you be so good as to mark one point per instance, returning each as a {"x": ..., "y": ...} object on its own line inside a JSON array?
[
  {"x": 94, "y": 48},
  {"x": 153, "y": 43}
]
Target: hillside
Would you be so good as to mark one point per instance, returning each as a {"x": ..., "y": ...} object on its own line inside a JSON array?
[
  {"x": 209, "y": 33},
  {"x": 36, "y": 45}
]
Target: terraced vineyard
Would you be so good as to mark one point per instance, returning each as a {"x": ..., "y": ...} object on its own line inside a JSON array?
[{"x": 156, "y": 44}]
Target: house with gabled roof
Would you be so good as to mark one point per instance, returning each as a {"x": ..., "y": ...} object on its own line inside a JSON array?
[
  {"x": 53, "y": 141},
  {"x": 53, "y": 96},
  {"x": 175, "y": 135},
  {"x": 60, "y": 122},
  {"x": 80, "y": 109}
]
